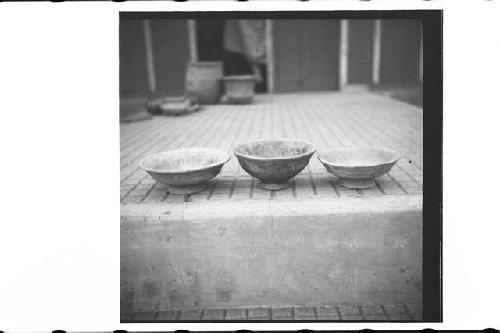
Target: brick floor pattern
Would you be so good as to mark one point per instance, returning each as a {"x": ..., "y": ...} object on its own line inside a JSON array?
[
  {"x": 325, "y": 119},
  {"x": 372, "y": 313}
]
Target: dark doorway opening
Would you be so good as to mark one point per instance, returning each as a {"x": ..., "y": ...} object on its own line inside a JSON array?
[
  {"x": 210, "y": 45},
  {"x": 209, "y": 39}
]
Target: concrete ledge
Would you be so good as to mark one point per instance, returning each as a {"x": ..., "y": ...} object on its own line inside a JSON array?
[{"x": 275, "y": 253}]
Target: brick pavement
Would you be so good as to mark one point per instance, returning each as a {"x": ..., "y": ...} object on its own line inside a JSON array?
[
  {"x": 371, "y": 313},
  {"x": 325, "y": 119}
]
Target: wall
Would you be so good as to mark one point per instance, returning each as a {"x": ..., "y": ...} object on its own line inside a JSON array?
[
  {"x": 305, "y": 54},
  {"x": 170, "y": 54},
  {"x": 133, "y": 71},
  {"x": 400, "y": 51}
]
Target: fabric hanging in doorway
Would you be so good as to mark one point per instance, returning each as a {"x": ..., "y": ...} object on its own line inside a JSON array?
[{"x": 246, "y": 37}]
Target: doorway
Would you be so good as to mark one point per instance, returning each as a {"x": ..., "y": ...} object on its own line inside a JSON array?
[{"x": 210, "y": 47}]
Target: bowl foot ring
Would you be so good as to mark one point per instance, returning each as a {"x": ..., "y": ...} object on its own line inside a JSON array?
[
  {"x": 356, "y": 183},
  {"x": 186, "y": 189},
  {"x": 273, "y": 186}
]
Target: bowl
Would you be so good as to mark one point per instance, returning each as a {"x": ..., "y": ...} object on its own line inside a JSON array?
[
  {"x": 357, "y": 167},
  {"x": 239, "y": 88},
  {"x": 185, "y": 170},
  {"x": 173, "y": 106},
  {"x": 274, "y": 162}
]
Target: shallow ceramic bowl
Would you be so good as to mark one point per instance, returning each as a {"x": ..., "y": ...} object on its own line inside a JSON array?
[
  {"x": 239, "y": 88},
  {"x": 274, "y": 162},
  {"x": 178, "y": 109},
  {"x": 357, "y": 167},
  {"x": 185, "y": 170}
]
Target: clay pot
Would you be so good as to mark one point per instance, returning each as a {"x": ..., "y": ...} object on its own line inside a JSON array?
[
  {"x": 239, "y": 88},
  {"x": 185, "y": 170},
  {"x": 274, "y": 162},
  {"x": 358, "y": 166},
  {"x": 203, "y": 79}
]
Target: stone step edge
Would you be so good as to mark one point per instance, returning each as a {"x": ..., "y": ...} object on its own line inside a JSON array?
[
  {"x": 269, "y": 208},
  {"x": 366, "y": 312}
]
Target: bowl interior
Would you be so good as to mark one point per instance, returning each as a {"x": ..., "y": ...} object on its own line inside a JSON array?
[
  {"x": 274, "y": 148},
  {"x": 181, "y": 160},
  {"x": 360, "y": 156}
]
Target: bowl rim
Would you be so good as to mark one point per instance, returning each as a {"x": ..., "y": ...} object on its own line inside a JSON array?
[
  {"x": 396, "y": 156},
  {"x": 226, "y": 159},
  {"x": 239, "y": 77},
  {"x": 204, "y": 63},
  {"x": 258, "y": 158}
]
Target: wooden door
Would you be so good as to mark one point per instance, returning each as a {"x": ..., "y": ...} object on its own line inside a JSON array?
[
  {"x": 305, "y": 55},
  {"x": 360, "y": 51}
]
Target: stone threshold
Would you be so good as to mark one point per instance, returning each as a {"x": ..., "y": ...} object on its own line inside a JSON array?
[{"x": 339, "y": 313}]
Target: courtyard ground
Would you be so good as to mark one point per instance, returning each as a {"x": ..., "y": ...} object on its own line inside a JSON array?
[{"x": 325, "y": 119}]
